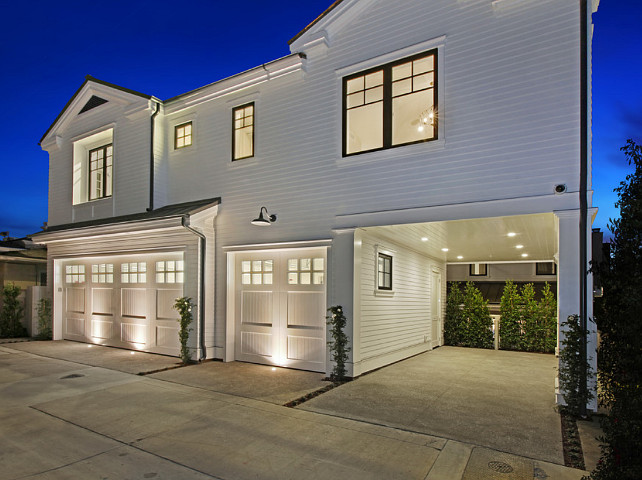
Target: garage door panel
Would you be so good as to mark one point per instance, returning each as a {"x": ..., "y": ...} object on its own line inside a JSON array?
[
  {"x": 75, "y": 326},
  {"x": 255, "y": 343},
  {"x": 133, "y": 333},
  {"x": 76, "y": 299},
  {"x": 165, "y": 299},
  {"x": 101, "y": 301},
  {"x": 102, "y": 329},
  {"x": 257, "y": 308},
  {"x": 133, "y": 302},
  {"x": 167, "y": 337},
  {"x": 307, "y": 349},
  {"x": 306, "y": 309}
]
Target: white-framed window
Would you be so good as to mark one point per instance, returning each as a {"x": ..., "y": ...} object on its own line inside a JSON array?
[
  {"x": 74, "y": 274},
  {"x": 93, "y": 167},
  {"x": 243, "y": 128},
  {"x": 170, "y": 271},
  {"x": 102, "y": 273},
  {"x": 183, "y": 135},
  {"x": 478, "y": 269},
  {"x": 133, "y": 272},
  {"x": 391, "y": 105}
]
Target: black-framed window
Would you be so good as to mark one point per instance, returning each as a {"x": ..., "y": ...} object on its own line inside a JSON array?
[
  {"x": 545, "y": 268},
  {"x": 183, "y": 135},
  {"x": 384, "y": 272},
  {"x": 100, "y": 172},
  {"x": 243, "y": 132},
  {"x": 478, "y": 269},
  {"x": 391, "y": 105}
]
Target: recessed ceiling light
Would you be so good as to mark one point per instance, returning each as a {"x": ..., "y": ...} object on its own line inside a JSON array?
[
  {"x": 524, "y": 255},
  {"x": 459, "y": 257},
  {"x": 519, "y": 246},
  {"x": 511, "y": 234},
  {"x": 444, "y": 249},
  {"x": 424, "y": 239}
]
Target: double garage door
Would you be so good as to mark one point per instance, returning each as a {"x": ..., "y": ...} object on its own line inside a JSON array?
[
  {"x": 280, "y": 305},
  {"x": 124, "y": 301}
]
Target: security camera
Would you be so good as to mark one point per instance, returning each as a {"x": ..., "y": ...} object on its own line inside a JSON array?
[{"x": 560, "y": 188}]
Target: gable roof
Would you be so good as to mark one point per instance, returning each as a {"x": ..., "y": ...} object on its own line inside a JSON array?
[
  {"x": 315, "y": 21},
  {"x": 91, "y": 79}
]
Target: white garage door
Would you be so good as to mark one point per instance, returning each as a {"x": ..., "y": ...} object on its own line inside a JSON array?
[
  {"x": 280, "y": 308},
  {"x": 124, "y": 301}
]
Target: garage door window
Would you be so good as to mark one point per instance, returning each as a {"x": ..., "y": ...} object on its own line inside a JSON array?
[
  {"x": 102, "y": 273},
  {"x": 306, "y": 271},
  {"x": 170, "y": 271},
  {"x": 134, "y": 272},
  {"x": 75, "y": 274},
  {"x": 257, "y": 272}
]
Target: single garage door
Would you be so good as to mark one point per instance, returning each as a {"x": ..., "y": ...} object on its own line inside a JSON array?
[
  {"x": 280, "y": 308},
  {"x": 124, "y": 301}
]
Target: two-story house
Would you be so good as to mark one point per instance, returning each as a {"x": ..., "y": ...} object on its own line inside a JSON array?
[{"x": 397, "y": 138}]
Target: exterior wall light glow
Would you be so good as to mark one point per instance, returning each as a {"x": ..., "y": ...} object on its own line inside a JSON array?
[{"x": 262, "y": 221}]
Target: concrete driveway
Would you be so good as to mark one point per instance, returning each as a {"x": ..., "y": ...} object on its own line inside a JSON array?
[
  {"x": 496, "y": 399},
  {"x": 60, "y": 419}
]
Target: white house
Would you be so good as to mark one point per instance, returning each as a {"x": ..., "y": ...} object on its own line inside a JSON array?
[{"x": 396, "y": 139}]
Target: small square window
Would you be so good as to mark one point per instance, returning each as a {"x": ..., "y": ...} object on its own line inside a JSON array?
[
  {"x": 478, "y": 269},
  {"x": 183, "y": 135},
  {"x": 545, "y": 268}
]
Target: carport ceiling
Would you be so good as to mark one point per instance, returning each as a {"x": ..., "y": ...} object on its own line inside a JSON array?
[{"x": 480, "y": 240}]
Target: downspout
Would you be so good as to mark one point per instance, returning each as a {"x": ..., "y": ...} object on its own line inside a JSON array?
[
  {"x": 583, "y": 196},
  {"x": 151, "y": 158},
  {"x": 201, "y": 294}
]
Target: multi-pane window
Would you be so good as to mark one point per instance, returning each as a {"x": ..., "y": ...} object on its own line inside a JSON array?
[
  {"x": 257, "y": 272},
  {"x": 170, "y": 271},
  {"x": 133, "y": 272},
  {"x": 306, "y": 271},
  {"x": 183, "y": 135},
  {"x": 75, "y": 274},
  {"x": 102, "y": 273},
  {"x": 545, "y": 268},
  {"x": 391, "y": 105},
  {"x": 100, "y": 172},
  {"x": 384, "y": 271},
  {"x": 243, "y": 137}
]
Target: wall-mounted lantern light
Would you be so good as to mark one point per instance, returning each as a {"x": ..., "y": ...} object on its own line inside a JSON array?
[{"x": 262, "y": 221}]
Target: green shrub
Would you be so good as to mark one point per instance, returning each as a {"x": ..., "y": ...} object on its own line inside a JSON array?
[
  {"x": 339, "y": 343},
  {"x": 184, "y": 306},
  {"x": 44, "y": 319},
  {"x": 530, "y": 317},
  {"x": 11, "y": 313},
  {"x": 510, "y": 328},
  {"x": 454, "y": 323},
  {"x": 571, "y": 371},
  {"x": 479, "y": 333},
  {"x": 546, "y": 340}
]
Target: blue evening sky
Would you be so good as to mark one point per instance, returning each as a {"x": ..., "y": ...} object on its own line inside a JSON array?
[{"x": 165, "y": 48}]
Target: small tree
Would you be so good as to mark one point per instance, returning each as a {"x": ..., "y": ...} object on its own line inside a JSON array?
[
  {"x": 571, "y": 373},
  {"x": 184, "y": 306},
  {"x": 530, "y": 319},
  {"x": 547, "y": 313},
  {"x": 11, "y": 313},
  {"x": 339, "y": 343},
  {"x": 454, "y": 323},
  {"x": 479, "y": 333},
  {"x": 510, "y": 328},
  {"x": 44, "y": 319}
]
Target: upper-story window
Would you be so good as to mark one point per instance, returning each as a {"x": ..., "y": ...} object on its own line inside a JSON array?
[
  {"x": 384, "y": 271},
  {"x": 100, "y": 172},
  {"x": 243, "y": 137},
  {"x": 391, "y": 105},
  {"x": 183, "y": 135},
  {"x": 93, "y": 167}
]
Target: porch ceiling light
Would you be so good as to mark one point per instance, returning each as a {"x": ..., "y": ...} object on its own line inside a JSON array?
[
  {"x": 262, "y": 221},
  {"x": 459, "y": 257},
  {"x": 424, "y": 239},
  {"x": 511, "y": 234},
  {"x": 524, "y": 255},
  {"x": 518, "y": 247},
  {"x": 444, "y": 249}
]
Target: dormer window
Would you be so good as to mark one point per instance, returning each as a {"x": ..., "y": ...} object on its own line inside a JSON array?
[
  {"x": 183, "y": 135},
  {"x": 100, "y": 172},
  {"x": 93, "y": 167},
  {"x": 391, "y": 105}
]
